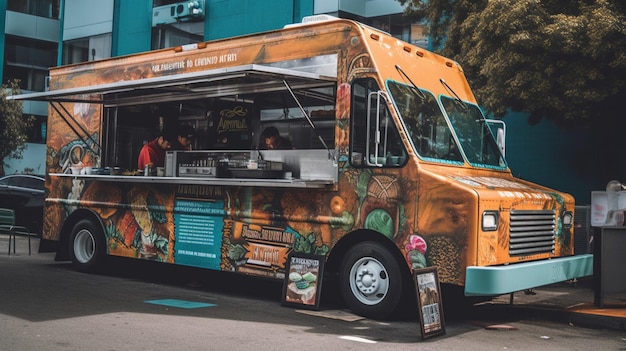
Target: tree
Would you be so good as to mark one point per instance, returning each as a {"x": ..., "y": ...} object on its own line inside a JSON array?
[
  {"x": 561, "y": 60},
  {"x": 552, "y": 59},
  {"x": 13, "y": 125}
]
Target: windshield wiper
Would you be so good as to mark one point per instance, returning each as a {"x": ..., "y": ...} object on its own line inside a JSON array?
[
  {"x": 419, "y": 92},
  {"x": 457, "y": 99}
]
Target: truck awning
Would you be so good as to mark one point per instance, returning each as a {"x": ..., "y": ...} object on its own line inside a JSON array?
[{"x": 243, "y": 79}]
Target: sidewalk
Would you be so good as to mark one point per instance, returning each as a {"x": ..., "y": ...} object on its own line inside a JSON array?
[
  {"x": 569, "y": 302},
  {"x": 21, "y": 244}
]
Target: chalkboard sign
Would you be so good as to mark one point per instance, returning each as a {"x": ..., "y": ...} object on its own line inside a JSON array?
[
  {"x": 303, "y": 280},
  {"x": 429, "y": 302}
]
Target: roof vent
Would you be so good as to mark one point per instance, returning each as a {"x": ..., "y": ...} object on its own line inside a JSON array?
[{"x": 313, "y": 19}]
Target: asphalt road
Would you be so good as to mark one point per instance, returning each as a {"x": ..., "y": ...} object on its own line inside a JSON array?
[{"x": 46, "y": 305}]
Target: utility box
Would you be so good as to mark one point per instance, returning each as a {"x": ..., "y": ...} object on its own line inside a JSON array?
[
  {"x": 185, "y": 11},
  {"x": 609, "y": 276}
]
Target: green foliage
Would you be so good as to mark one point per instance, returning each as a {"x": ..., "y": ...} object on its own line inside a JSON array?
[
  {"x": 13, "y": 126},
  {"x": 563, "y": 60},
  {"x": 311, "y": 244}
]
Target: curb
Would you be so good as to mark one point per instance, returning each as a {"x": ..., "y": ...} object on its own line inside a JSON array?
[{"x": 566, "y": 316}]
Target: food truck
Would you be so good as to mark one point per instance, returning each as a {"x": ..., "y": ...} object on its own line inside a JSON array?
[{"x": 394, "y": 167}]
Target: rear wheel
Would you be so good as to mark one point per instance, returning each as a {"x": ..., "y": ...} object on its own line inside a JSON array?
[
  {"x": 371, "y": 280},
  {"x": 87, "y": 246}
]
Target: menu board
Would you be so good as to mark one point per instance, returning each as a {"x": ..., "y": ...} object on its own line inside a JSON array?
[
  {"x": 303, "y": 280},
  {"x": 198, "y": 228},
  {"x": 429, "y": 302}
]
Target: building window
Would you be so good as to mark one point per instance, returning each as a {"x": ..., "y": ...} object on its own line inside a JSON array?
[
  {"x": 164, "y": 2},
  {"x": 419, "y": 35},
  {"x": 41, "y": 8},
  {"x": 167, "y": 36},
  {"x": 87, "y": 49},
  {"x": 31, "y": 79},
  {"x": 171, "y": 31},
  {"x": 37, "y": 132},
  {"x": 75, "y": 51},
  {"x": 30, "y": 52},
  {"x": 28, "y": 60},
  {"x": 395, "y": 24}
]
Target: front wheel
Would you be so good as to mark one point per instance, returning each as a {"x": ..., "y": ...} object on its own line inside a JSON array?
[
  {"x": 87, "y": 246},
  {"x": 371, "y": 280}
]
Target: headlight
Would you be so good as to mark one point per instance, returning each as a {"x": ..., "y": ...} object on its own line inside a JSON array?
[
  {"x": 490, "y": 221},
  {"x": 567, "y": 219}
]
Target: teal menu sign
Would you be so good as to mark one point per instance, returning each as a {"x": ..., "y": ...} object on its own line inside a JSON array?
[{"x": 198, "y": 228}]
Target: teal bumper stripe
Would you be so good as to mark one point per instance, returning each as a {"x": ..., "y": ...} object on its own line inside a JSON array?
[{"x": 499, "y": 280}]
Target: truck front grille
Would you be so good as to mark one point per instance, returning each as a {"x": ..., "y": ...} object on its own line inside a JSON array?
[{"x": 531, "y": 232}]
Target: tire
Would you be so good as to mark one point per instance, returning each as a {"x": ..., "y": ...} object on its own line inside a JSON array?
[
  {"x": 87, "y": 246},
  {"x": 370, "y": 281}
]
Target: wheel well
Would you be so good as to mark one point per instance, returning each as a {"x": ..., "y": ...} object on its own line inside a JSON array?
[
  {"x": 76, "y": 216},
  {"x": 408, "y": 299},
  {"x": 351, "y": 239}
]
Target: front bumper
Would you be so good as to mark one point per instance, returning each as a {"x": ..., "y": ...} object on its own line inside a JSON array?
[{"x": 499, "y": 280}]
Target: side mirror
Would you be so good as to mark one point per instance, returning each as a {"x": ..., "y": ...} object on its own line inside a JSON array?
[
  {"x": 501, "y": 135},
  {"x": 500, "y": 128}
]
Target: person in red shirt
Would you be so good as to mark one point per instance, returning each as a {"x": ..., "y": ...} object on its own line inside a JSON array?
[{"x": 153, "y": 152}]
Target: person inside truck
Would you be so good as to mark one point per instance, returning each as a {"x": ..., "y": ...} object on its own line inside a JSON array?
[
  {"x": 184, "y": 137},
  {"x": 274, "y": 141},
  {"x": 153, "y": 152}
]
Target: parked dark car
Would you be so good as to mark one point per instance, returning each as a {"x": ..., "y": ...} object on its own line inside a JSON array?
[{"x": 25, "y": 194}]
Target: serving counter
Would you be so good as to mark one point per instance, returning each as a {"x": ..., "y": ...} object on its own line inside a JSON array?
[
  {"x": 277, "y": 183},
  {"x": 269, "y": 168}
]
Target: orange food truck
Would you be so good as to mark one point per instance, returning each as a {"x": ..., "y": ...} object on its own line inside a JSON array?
[{"x": 393, "y": 167}]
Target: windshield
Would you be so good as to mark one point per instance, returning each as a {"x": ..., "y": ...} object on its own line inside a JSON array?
[
  {"x": 425, "y": 123},
  {"x": 430, "y": 133},
  {"x": 472, "y": 130}
]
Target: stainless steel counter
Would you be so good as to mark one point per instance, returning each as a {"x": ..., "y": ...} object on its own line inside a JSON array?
[{"x": 277, "y": 183}]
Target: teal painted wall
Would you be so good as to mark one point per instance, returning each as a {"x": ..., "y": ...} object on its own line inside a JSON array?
[
  {"x": 61, "y": 26},
  {"x": 302, "y": 8},
  {"x": 3, "y": 11},
  {"x": 550, "y": 156},
  {"x": 132, "y": 27},
  {"x": 227, "y": 18}
]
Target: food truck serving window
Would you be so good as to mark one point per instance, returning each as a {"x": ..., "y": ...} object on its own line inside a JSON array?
[
  {"x": 227, "y": 118},
  {"x": 222, "y": 105}
]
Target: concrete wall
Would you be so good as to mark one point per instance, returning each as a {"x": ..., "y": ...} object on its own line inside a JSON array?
[
  {"x": 33, "y": 158},
  {"x": 87, "y": 18}
]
